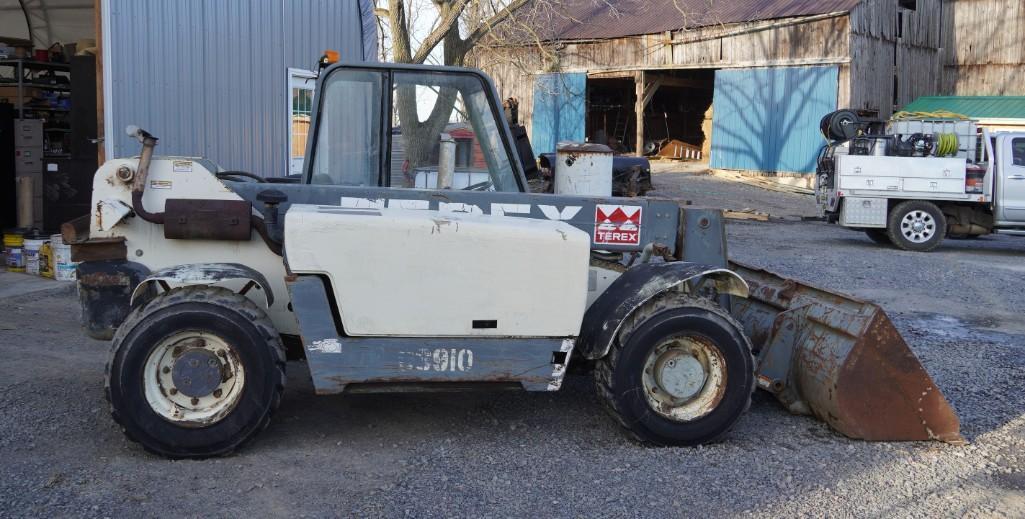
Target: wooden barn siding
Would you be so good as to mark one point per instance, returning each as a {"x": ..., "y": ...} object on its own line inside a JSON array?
[
  {"x": 876, "y": 50},
  {"x": 984, "y": 47},
  {"x": 509, "y": 70},
  {"x": 811, "y": 43}
]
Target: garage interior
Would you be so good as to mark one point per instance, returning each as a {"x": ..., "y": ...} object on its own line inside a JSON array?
[
  {"x": 668, "y": 113},
  {"x": 49, "y": 118}
]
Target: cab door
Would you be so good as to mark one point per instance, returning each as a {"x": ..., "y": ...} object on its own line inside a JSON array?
[{"x": 1011, "y": 187}]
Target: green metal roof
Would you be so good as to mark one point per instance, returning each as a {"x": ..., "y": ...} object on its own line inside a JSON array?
[{"x": 976, "y": 107}]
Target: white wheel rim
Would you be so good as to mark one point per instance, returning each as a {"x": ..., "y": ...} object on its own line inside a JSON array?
[
  {"x": 684, "y": 378},
  {"x": 192, "y": 360},
  {"x": 918, "y": 226}
]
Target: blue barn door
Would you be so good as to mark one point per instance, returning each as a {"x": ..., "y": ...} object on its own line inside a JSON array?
[
  {"x": 559, "y": 110},
  {"x": 767, "y": 119}
]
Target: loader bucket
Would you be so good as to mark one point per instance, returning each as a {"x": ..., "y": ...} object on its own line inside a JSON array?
[{"x": 840, "y": 359}]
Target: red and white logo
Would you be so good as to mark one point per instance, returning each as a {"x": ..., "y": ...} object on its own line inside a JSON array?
[{"x": 617, "y": 224}]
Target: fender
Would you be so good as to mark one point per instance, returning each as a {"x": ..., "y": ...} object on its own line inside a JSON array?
[
  {"x": 205, "y": 274},
  {"x": 637, "y": 286}
]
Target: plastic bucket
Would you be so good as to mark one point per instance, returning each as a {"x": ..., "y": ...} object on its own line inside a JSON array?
[
  {"x": 63, "y": 267},
  {"x": 14, "y": 247},
  {"x": 33, "y": 243}
]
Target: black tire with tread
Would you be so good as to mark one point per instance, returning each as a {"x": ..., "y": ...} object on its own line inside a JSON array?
[
  {"x": 897, "y": 215},
  {"x": 260, "y": 349},
  {"x": 617, "y": 375}
]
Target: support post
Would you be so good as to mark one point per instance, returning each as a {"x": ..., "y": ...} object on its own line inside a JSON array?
[{"x": 639, "y": 112}]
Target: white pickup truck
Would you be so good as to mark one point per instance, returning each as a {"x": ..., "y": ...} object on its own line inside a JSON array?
[{"x": 915, "y": 189}]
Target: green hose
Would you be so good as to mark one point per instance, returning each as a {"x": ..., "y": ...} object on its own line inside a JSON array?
[{"x": 946, "y": 144}]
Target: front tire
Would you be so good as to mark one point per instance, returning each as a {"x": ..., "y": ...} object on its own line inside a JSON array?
[
  {"x": 195, "y": 373},
  {"x": 680, "y": 373},
  {"x": 916, "y": 225}
]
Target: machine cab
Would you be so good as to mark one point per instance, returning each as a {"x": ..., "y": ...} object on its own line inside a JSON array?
[{"x": 410, "y": 127}]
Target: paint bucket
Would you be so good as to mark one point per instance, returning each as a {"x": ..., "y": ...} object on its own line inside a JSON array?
[
  {"x": 33, "y": 242},
  {"x": 63, "y": 267},
  {"x": 14, "y": 243}
]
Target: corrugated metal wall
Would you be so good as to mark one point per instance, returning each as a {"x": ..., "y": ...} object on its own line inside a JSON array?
[
  {"x": 559, "y": 110},
  {"x": 767, "y": 119},
  {"x": 209, "y": 78}
]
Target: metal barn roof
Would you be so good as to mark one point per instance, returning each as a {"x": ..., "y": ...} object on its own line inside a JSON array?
[
  {"x": 599, "y": 19},
  {"x": 976, "y": 107}
]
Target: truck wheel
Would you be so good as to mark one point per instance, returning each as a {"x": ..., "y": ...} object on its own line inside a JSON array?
[
  {"x": 916, "y": 226},
  {"x": 195, "y": 372},
  {"x": 879, "y": 236},
  {"x": 681, "y": 373}
]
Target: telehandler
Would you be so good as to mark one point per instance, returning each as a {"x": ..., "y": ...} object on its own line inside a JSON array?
[{"x": 198, "y": 276}]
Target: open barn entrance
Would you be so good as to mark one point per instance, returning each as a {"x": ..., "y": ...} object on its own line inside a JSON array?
[{"x": 668, "y": 113}]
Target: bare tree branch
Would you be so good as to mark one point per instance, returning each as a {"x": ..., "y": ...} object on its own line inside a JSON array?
[
  {"x": 490, "y": 23},
  {"x": 450, "y": 12}
]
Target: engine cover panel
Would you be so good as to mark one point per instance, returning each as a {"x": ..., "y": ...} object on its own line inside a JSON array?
[{"x": 422, "y": 273}]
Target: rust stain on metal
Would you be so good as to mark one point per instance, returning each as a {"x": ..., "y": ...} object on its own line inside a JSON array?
[
  {"x": 103, "y": 279},
  {"x": 847, "y": 364},
  {"x": 187, "y": 219}
]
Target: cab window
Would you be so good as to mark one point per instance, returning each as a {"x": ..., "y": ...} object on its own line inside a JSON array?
[
  {"x": 1018, "y": 151},
  {"x": 348, "y": 139},
  {"x": 432, "y": 109}
]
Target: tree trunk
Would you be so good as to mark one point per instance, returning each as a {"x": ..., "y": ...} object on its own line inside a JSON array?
[{"x": 421, "y": 137}]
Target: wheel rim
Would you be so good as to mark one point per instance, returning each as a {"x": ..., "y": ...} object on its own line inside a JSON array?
[
  {"x": 918, "y": 226},
  {"x": 193, "y": 379},
  {"x": 684, "y": 378}
]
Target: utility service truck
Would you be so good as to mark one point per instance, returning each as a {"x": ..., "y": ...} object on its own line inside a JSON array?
[
  {"x": 921, "y": 179},
  {"x": 201, "y": 276}
]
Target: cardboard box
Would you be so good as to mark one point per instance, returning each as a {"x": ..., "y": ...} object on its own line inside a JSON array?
[{"x": 10, "y": 92}]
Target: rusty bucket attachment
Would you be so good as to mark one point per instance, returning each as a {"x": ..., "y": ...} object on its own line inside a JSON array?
[{"x": 840, "y": 359}]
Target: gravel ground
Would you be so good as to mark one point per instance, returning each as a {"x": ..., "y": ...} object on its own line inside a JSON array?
[{"x": 519, "y": 454}]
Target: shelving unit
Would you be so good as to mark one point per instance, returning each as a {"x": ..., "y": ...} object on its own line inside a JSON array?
[
  {"x": 40, "y": 94},
  {"x": 27, "y": 76}
]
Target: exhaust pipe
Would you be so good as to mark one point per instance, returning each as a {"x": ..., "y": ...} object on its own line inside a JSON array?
[
  {"x": 139, "y": 189},
  {"x": 139, "y": 182}
]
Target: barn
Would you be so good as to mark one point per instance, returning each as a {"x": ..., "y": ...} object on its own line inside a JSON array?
[{"x": 746, "y": 82}]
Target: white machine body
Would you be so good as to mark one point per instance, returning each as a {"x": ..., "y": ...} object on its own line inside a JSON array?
[{"x": 402, "y": 272}]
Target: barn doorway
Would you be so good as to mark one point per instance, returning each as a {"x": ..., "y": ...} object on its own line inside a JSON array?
[{"x": 675, "y": 108}]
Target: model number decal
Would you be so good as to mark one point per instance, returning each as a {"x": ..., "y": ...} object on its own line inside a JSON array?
[{"x": 439, "y": 360}]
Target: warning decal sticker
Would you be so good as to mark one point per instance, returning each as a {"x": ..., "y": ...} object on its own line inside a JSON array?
[{"x": 617, "y": 224}]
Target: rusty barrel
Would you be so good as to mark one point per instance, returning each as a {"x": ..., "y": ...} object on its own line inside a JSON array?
[{"x": 841, "y": 360}]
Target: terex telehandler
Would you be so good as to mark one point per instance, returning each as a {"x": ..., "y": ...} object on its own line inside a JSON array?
[{"x": 198, "y": 275}]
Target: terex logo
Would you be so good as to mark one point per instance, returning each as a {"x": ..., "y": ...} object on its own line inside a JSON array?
[{"x": 617, "y": 224}]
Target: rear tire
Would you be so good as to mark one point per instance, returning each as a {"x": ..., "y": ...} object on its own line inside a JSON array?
[
  {"x": 916, "y": 225},
  {"x": 195, "y": 373},
  {"x": 680, "y": 373}
]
